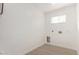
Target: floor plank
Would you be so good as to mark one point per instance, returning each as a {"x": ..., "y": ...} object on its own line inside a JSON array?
[{"x": 52, "y": 50}]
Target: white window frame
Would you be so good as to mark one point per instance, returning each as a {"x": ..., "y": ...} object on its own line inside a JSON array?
[{"x": 58, "y": 19}]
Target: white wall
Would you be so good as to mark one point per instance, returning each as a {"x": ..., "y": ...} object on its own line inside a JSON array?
[
  {"x": 77, "y": 9},
  {"x": 21, "y": 28},
  {"x": 68, "y": 38}
]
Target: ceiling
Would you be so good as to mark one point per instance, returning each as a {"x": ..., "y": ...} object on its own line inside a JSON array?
[{"x": 47, "y": 7}]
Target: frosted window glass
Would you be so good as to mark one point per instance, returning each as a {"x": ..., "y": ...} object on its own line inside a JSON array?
[{"x": 58, "y": 19}]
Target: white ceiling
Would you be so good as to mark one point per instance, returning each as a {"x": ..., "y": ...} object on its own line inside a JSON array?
[{"x": 46, "y": 7}]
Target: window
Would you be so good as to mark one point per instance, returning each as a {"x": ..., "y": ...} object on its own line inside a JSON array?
[{"x": 58, "y": 19}]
